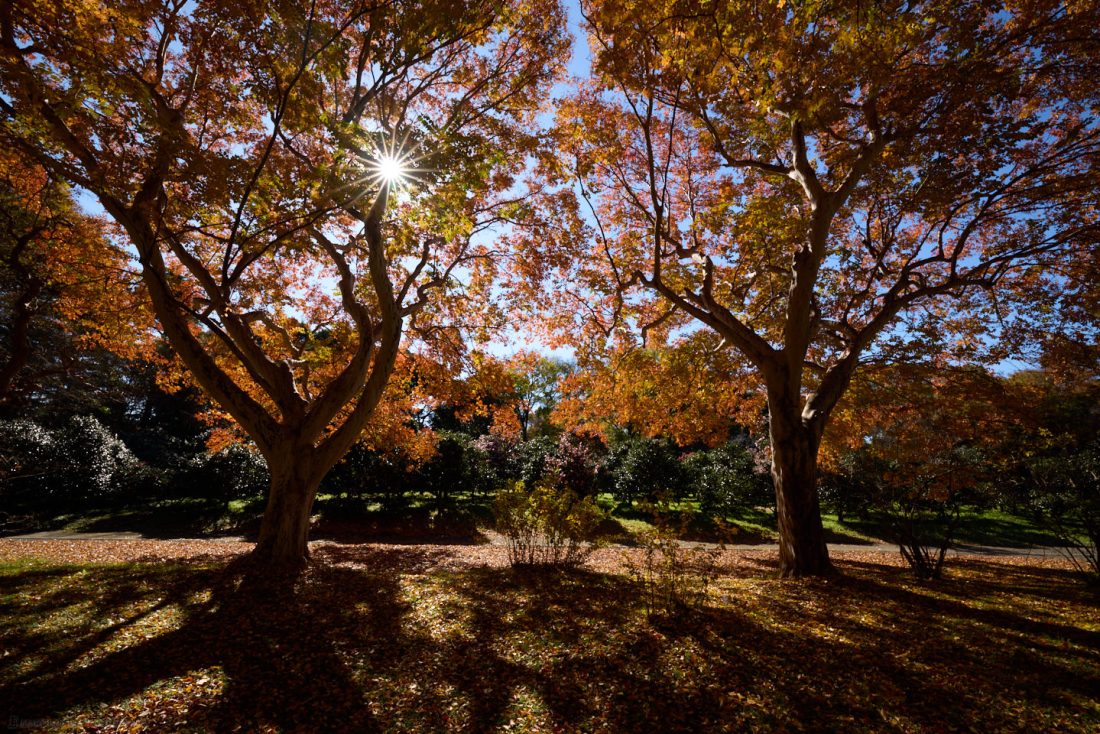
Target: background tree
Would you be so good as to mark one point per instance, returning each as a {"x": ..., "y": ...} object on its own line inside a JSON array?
[
  {"x": 1050, "y": 466},
  {"x": 915, "y": 443},
  {"x": 692, "y": 392},
  {"x": 253, "y": 154},
  {"x": 821, "y": 184},
  {"x": 65, "y": 292},
  {"x": 536, "y": 381}
]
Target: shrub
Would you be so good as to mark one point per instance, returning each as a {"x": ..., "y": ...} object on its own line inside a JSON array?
[
  {"x": 673, "y": 578},
  {"x": 26, "y": 450},
  {"x": 79, "y": 461},
  {"x": 235, "y": 472},
  {"x": 644, "y": 469},
  {"x": 447, "y": 471},
  {"x": 548, "y": 525},
  {"x": 923, "y": 516},
  {"x": 922, "y": 500},
  {"x": 381, "y": 475},
  {"x": 498, "y": 461},
  {"x": 852, "y": 488},
  {"x": 574, "y": 462},
  {"x": 1065, "y": 497},
  {"x": 923, "y": 528},
  {"x": 92, "y": 459},
  {"x": 725, "y": 479},
  {"x": 532, "y": 457}
]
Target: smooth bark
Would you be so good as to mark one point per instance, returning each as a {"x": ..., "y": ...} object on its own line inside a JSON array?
[
  {"x": 284, "y": 530},
  {"x": 802, "y": 549}
]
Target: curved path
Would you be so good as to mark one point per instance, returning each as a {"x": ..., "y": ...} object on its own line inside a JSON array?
[{"x": 959, "y": 549}]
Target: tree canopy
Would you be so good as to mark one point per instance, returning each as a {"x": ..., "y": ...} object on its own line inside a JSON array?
[
  {"x": 301, "y": 183},
  {"x": 821, "y": 184}
]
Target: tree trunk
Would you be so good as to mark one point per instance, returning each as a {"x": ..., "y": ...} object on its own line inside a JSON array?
[
  {"x": 802, "y": 549},
  {"x": 284, "y": 530},
  {"x": 20, "y": 352}
]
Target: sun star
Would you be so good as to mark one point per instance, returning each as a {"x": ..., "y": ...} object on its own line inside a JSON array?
[{"x": 391, "y": 169}]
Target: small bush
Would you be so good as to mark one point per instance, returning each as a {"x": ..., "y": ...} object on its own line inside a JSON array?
[
  {"x": 448, "y": 470},
  {"x": 546, "y": 525},
  {"x": 498, "y": 462},
  {"x": 574, "y": 462},
  {"x": 645, "y": 469},
  {"x": 852, "y": 488},
  {"x": 366, "y": 474},
  {"x": 235, "y": 472},
  {"x": 725, "y": 480},
  {"x": 1065, "y": 498},
  {"x": 923, "y": 521},
  {"x": 674, "y": 578},
  {"x": 532, "y": 457},
  {"x": 923, "y": 530}
]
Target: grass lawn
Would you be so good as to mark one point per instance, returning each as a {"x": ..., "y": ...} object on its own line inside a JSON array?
[
  {"x": 974, "y": 527},
  {"x": 466, "y": 516},
  {"x": 448, "y": 638}
]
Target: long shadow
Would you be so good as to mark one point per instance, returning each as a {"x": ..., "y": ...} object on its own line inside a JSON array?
[
  {"x": 763, "y": 670},
  {"x": 276, "y": 641},
  {"x": 118, "y": 588},
  {"x": 1035, "y": 582},
  {"x": 568, "y": 611},
  {"x": 343, "y": 649},
  {"x": 914, "y": 655},
  {"x": 946, "y": 605}
]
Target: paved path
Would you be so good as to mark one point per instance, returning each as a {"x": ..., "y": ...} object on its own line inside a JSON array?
[
  {"x": 960, "y": 549},
  {"x": 128, "y": 535}
]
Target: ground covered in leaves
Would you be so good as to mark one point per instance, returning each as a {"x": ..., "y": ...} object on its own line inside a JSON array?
[{"x": 178, "y": 636}]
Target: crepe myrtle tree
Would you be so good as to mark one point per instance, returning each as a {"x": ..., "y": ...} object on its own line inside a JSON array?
[
  {"x": 302, "y": 184},
  {"x": 820, "y": 184}
]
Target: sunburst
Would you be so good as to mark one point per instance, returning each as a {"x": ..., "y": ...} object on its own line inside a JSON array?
[
  {"x": 394, "y": 166},
  {"x": 391, "y": 170}
]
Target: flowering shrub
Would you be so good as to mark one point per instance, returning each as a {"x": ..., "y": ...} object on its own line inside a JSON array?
[
  {"x": 574, "y": 462},
  {"x": 82, "y": 459}
]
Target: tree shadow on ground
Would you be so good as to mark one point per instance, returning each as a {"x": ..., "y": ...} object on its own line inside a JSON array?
[
  {"x": 275, "y": 639},
  {"x": 402, "y": 639},
  {"x": 413, "y": 526}
]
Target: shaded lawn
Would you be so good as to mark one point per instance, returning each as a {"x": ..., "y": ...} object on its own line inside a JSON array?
[
  {"x": 427, "y": 638},
  {"x": 464, "y": 518},
  {"x": 974, "y": 527}
]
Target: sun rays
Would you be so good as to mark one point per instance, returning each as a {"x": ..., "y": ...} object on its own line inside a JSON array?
[
  {"x": 391, "y": 170},
  {"x": 394, "y": 165}
]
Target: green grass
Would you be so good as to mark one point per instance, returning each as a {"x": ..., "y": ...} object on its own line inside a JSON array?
[
  {"x": 975, "y": 527},
  {"x": 386, "y": 640},
  {"x": 838, "y": 532},
  {"x": 463, "y": 519}
]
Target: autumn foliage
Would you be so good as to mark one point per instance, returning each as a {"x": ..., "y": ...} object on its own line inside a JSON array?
[
  {"x": 243, "y": 151},
  {"x": 333, "y": 206},
  {"x": 820, "y": 185},
  {"x": 58, "y": 268}
]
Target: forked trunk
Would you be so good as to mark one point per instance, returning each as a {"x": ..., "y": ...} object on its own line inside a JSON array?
[
  {"x": 802, "y": 549},
  {"x": 284, "y": 530}
]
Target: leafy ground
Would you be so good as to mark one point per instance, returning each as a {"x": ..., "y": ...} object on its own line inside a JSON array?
[{"x": 176, "y": 636}]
